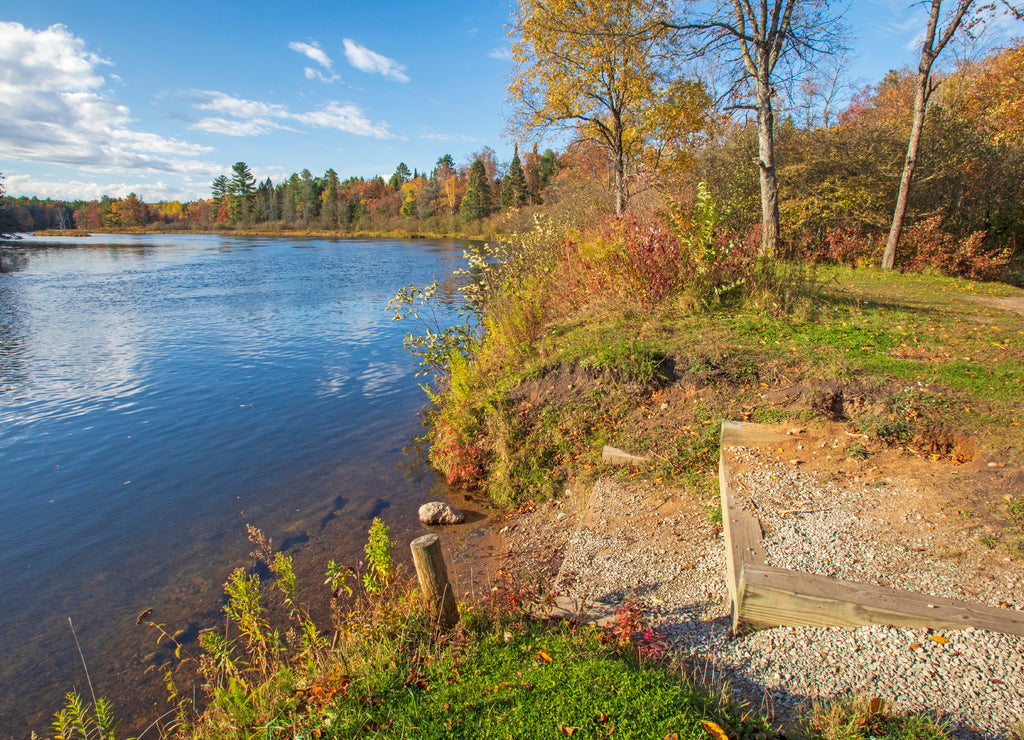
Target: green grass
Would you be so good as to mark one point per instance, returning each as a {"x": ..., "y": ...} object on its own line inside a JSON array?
[
  {"x": 870, "y": 719},
  {"x": 923, "y": 351},
  {"x": 539, "y": 682}
]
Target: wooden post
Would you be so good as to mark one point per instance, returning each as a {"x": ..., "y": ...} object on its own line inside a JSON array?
[{"x": 433, "y": 577}]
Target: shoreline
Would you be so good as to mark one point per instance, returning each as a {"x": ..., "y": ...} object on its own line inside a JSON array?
[{"x": 318, "y": 233}]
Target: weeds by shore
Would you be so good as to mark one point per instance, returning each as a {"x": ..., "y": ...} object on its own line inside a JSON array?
[{"x": 381, "y": 670}]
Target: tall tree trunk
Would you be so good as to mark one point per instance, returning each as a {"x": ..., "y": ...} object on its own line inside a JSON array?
[
  {"x": 766, "y": 165},
  {"x": 920, "y": 106},
  {"x": 620, "y": 187},
  {"x": 619, "y": 163},
  {"x": 930, "y": 49}
]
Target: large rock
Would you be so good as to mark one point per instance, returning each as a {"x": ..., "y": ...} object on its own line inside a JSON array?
[{"x": 438, "y": 512}]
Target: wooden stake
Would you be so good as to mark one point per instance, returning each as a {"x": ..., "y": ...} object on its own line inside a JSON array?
[{"x": 433, "y": 577}]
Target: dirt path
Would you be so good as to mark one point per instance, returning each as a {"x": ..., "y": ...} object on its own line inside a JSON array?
[{"x": 1013, "y": 303}]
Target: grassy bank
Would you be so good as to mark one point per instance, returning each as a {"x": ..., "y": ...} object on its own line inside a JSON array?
[
  {"x": 378, "y": 669},
  {"x": 646, "y": 340}
]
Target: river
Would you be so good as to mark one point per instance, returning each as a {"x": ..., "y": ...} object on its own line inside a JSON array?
[{"x": 158, "y": 393}]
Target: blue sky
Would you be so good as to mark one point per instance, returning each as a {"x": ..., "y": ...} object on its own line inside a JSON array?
[{"x": 116, "y": 97}]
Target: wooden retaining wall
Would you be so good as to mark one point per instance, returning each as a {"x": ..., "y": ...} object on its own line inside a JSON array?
[{"x": 765, "y": 596}]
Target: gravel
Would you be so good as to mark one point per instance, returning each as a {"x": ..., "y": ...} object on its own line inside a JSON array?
[{"x": 636, "y": 539}]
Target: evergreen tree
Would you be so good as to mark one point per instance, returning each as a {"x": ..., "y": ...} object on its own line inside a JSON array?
[
  {"x": 241, "y": 189},
  {"x": 476, "y": 203},
  {"x": 308, "y": 198},
  {"x": 548, "y": 165},
  {"x": 219, "y": 191},
  {"x": 7, "y": 223},
  {"x": 513, "y": 190},
  {"x": 329, "y": 211},
  {"x": 401, "y": 176},
  {"x": 532, "y": 173},
  {"x": 289, "y": 200},
  {"x": 264, "y": 202}
]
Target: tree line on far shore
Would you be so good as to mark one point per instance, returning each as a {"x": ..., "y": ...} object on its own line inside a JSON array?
[{"x": 447, "y": 200}]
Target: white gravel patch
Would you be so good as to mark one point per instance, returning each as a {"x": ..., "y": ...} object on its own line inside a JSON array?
[{"x": 971, "y": 679}]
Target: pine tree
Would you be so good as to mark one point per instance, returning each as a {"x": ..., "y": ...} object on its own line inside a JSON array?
[
  {"x": 218, "y": 191},
  {"x": 241, "y": 189},
  {"x": 513, "y": 191},
  {"x": 476, "y": 203}
]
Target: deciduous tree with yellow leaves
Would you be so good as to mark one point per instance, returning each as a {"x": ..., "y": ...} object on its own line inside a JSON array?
[{"x": 600, "y": 69}]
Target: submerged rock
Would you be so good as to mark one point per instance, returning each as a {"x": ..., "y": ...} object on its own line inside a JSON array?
[{"x": 438, "y": 512}]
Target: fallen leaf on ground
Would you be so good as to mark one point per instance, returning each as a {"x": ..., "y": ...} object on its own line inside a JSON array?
[
  {"x": 543, "y": 656},
  {"x": 938, "y": 638},
  {"x": 714, "y": 730}
]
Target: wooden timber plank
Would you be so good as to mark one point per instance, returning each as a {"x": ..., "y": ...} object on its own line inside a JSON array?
[
  {"x": 748, "y": 434},
  {"x": 765, "y": 596},
  {"x": 740, "y": 526},
  {"x": 772, "y": 597}
]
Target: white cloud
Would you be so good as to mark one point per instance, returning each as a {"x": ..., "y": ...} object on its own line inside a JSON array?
[
  {"x": 64, "y": 189},
  {"x": 314, "y": 52},
  {"x": 502, "y": 53},
  {"x": 229, "y": 127},
  {"x": 237, "y": 107},
  {"x": 255, "y": 118},
  {"x": 348, "y": 118},
  {"x": 994, "y": 24},
  {"x": 53, "y": 109},
  {"x": 450, "y": 137},
  {"x": 316, "y": 74},
  {"x": 370, "y": 61}
]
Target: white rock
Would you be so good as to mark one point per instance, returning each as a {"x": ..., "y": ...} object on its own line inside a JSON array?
[{"x": 438, "y": 512}]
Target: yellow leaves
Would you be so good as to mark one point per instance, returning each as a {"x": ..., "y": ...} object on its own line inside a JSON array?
[
  {"x": 938, "y": 638},
  {"x": 713, "y": 730},
  {"x": 543, "y": 656},
  {"x": 593, "y": 66}
]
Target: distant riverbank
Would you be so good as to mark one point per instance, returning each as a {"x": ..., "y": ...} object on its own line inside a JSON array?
[{"x": 294, "y": 233}]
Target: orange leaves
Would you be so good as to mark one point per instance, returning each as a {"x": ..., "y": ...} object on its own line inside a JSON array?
[
  {"x": 543, "y": 656},
  {"x": 713, "y": 730}
]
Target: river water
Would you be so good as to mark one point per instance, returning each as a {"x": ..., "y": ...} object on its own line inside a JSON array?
[{"x": 158, "y": 393}]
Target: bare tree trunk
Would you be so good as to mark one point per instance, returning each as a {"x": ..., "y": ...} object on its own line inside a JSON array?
[
  {"x": 920, "y": 106},
  {"x": 766, "y": 165},
  {"x": 930, "y": 49}
]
